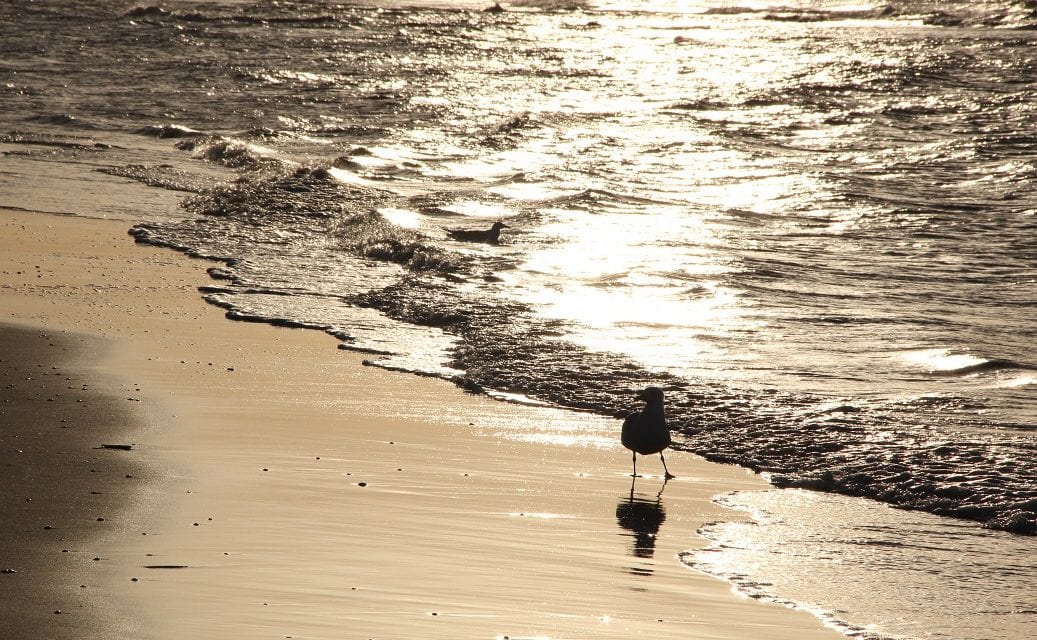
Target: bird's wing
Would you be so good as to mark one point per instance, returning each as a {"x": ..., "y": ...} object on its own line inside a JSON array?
[{"x": 629, "y": 433}]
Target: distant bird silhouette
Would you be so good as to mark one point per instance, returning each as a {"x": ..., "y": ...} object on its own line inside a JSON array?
[
  {"x": 491, "y": 235},
  {"x": 645, "y": 432}
]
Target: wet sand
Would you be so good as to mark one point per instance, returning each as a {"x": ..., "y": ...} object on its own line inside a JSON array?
[
  {"x": 61, "y": 486},
  {"x": 283, "y": 489}
]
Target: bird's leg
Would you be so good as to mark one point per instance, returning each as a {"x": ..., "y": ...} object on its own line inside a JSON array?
[
  {"x": 634, "y": 475},
  {"x": 668, "y": 474}
]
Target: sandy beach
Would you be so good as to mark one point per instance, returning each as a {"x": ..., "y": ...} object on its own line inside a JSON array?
[{"x": 272, "y": 486}]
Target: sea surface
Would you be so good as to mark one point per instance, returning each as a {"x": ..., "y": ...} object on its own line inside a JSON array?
[{"x": 813, "y": 223}]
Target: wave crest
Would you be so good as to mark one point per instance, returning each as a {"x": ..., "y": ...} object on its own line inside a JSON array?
[
  {"x": 229, "y": 152},
  {"x": 372, "y": 236},
  {"x": 169, "y": 131}
]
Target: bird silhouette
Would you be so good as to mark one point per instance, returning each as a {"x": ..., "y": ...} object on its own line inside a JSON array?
[
  {"x": 645, "y": 432},
  {"x": 491, "y": 235}
]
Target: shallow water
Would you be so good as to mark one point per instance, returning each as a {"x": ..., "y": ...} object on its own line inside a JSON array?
[
  {"x": 926, "y": 577},
  {"x": 812, "y": 223}
]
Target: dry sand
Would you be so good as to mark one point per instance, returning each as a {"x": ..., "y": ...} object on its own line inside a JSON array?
[{"x": 280, "y": 489}]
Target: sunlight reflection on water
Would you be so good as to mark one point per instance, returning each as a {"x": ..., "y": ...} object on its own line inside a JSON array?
[
  {"x": 836, "y": 205},
  {"x": 875, "y": 570}
]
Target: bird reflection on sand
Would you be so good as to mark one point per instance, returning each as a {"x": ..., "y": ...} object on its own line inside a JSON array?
[{"x": 641, "y": 517}]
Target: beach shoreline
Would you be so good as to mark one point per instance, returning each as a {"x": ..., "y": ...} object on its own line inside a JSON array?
[{"x": 290, "y": 491}]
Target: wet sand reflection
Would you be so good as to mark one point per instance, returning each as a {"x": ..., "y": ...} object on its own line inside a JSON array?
[{"x": 641, "y": 517}]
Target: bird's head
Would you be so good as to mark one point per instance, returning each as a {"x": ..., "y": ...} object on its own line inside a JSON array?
[
  {"x": 651, "y": 395},
  {"x": 497, "y": 226}
]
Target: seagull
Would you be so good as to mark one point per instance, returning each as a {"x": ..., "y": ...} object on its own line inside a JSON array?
[
  {"x": 491, "y": 235},
  {"x": 645, "y": 432}
]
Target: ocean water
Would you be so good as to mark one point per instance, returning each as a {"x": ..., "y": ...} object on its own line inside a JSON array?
[{"x": 814, "y": 224}]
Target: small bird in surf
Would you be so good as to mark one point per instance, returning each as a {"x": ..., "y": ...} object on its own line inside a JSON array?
[
  {"x": 645, "y": 432},
  {"x": 491, "y": 235}
]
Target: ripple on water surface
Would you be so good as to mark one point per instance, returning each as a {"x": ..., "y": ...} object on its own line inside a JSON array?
[{"x": 873, "y": 571}]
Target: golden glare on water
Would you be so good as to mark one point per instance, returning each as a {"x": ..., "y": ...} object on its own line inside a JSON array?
[
  {"x": 1021, "y": 381},
  {"x": 941, "y": 359},
  {"x": 601, "y": 274},
  {"x": 401, "y": 217},
  {"x": 813, "y": 228}
]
